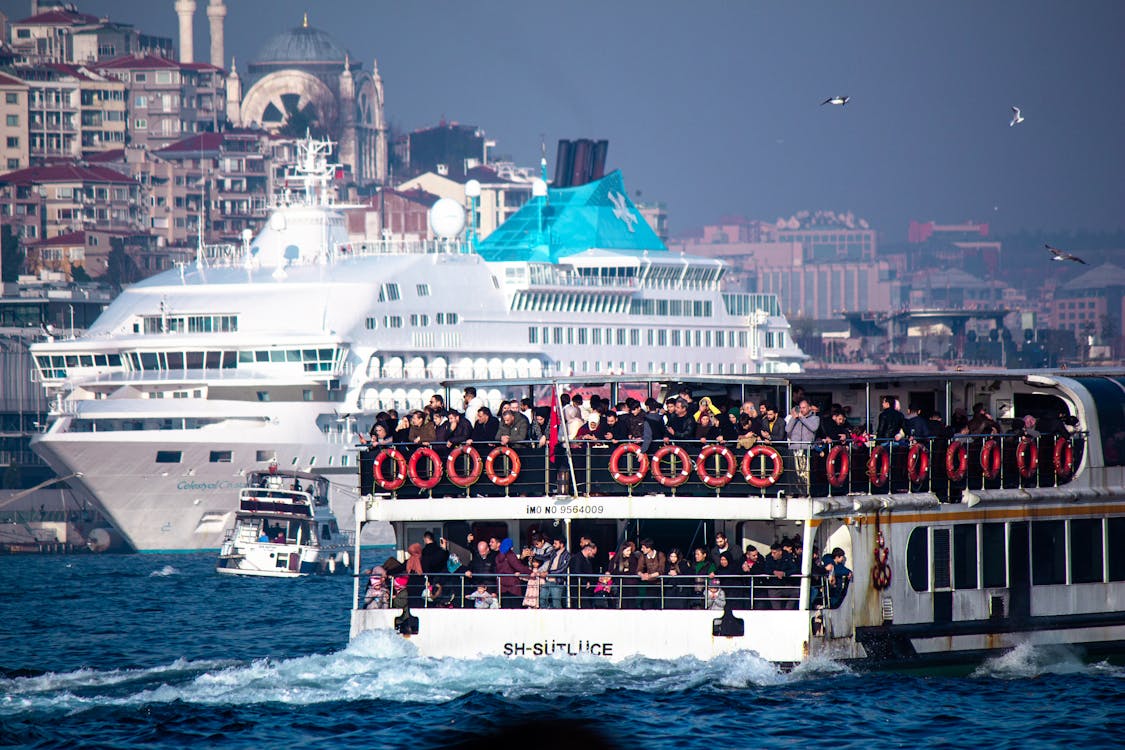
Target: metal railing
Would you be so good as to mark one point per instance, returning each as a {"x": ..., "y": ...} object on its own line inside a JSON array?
[
  {"x": 589, "y": 591},
  {"x": 945, "y": 467}
]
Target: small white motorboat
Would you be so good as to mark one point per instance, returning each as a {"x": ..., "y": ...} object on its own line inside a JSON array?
[{"x": 284, "y": 528}]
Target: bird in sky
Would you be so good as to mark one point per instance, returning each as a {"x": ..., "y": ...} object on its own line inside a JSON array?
[
  {"x": 1017, "y": 118},
  {"x": 1063, "y": 255},
  {"x": 841, "y": 100}
]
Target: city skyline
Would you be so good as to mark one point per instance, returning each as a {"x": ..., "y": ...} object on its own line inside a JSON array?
[{"x": 717, "y": 111}]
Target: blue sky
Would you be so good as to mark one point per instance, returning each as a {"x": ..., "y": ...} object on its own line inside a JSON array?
[{"x": 714, "y": 107}]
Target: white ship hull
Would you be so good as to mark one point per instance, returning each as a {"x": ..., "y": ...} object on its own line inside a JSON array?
[{"x": 185, "y": 506}]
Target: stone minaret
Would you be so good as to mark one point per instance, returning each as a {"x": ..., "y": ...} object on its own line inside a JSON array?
[
  {"x": 348, "y": 148},
  {"x": 216, "y": 12},
  {"x": 185, "y": 9},
  {"x": 234, "y": 96}
]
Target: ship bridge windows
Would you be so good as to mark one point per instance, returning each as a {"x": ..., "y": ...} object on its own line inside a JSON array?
[
  {"x": 151, "y": 324},
  {"x": 1109, "y": 400}
]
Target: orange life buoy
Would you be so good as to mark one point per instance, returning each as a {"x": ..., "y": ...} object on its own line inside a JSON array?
[
  {"x": 1027, "y": 458},
  {"x": 435, "y": 468},
  {"x": 990, "y": 459},
  {"x": 839, "y": 465},
  {"x": 879, "y": 465},
  {"x": 681, "y": 475},
  {"x": 715, "y": 480},
  {"x": 1064, "y": 458},
  {"x": 513, "y": 465},
  {"x": 400, "y": 469},
  {"x": 629, "y": 480},
  {"x": 956, "y": 461},
  {"x": 765, "y": 480},
  {"x": 475, "y": 466},
  {"x": 917, "y": 463}
]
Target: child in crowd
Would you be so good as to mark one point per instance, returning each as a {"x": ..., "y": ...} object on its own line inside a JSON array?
[
  {"x": 483, "y": 598},
  {"x": 603, "y": 593},
  {"x": 716, "y": 597},
  {"x": 377, "y": 596},
  {"x": 531, "y": 596}
]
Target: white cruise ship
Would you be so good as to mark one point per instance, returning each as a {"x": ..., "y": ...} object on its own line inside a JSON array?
[{"x": 285, "y": 347}]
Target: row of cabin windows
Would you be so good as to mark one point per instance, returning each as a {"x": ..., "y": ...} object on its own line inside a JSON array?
[
  {"x": 226, "y": 457},
  {"x": 674, "y": 368},
  {"x": 971, "y": 556},
  {"x": 313, "y": 360},
  {"x": 632, "y": 337},
  {"x": 417, "y": 320},
  {"x": 188, "y": 323}
]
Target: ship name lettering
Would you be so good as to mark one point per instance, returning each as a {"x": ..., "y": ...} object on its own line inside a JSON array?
[{"x": 547, "y": 648}]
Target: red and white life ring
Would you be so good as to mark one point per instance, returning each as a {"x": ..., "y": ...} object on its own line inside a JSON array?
[
  {"x": 1027, "y": 458},
  {"x": 1063, "y": 458},
  {"x": 990, "y": 459},
  {"x": 839, "y": 465},
  {"x": 681, "y": 475},
  {"x": 956, "y": 461},
  {"x": 475, "y": 466},
  {"x": 638, "y": 475},
  {"x": 513, "y": 465},
  {"x": 764, "y": 480},
  {"x": 435, "y": 468},
  {"x": 715, "y": 480},
  {"x": 917, "y": 463},
  {"x": 399, "y": 479},
  {"x": 879, "y": 466}
]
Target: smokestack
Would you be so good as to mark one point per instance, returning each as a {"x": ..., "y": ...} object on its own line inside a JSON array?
[
  {"x": 216, "y": 12},
  {"x": 185, "y": 9}
]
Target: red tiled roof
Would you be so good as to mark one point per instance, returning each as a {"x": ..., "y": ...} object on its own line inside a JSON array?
[
  {"x": 111, "y": 156},
  {"x": 417, "y": 195},
  {"x": 148, "y": 62},
  {"x": 207, "y": 141},
  {"x": 68, "y": 239},
  {"x": 59, "y": 17},
  {"x": 7, "y": 80},
  {"x": 63, "y": 173},
  {"x": 484, "y": 174}
]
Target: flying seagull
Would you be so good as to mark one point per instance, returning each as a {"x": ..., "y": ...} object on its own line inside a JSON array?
[
  {"x": 1017, "y": 118},
  {"x": 1064, "y": 255},
  {"x": 841, "y": 100}
]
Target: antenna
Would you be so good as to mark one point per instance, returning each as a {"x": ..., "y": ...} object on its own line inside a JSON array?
[{"x": 543, "y": 157}]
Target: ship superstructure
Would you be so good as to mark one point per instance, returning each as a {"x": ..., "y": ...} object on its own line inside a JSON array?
[{"x": 284, "y": 346}]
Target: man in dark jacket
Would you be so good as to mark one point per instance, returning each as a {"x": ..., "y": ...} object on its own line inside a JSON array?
[
  {"x": 783, "y": 594},
  {"x": 916, "y": 426},
  {"x": 484, "y": 431},
  {"x": 891, "y": 420},
  {"x": 434, "y": 558},
  {"x": 582, "y": 581}
]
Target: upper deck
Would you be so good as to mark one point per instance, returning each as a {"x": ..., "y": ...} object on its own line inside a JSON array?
[{"x": 1080, "y": 449}]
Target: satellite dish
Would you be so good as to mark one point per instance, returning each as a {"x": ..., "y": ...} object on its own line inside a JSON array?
[{"x": 447, "y": 218}]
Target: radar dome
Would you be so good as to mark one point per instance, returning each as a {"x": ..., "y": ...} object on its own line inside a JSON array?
[{"x": 447, "y": 218}]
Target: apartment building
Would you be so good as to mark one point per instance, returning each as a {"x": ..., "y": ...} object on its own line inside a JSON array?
[
  {"x": 168, "y": 100},
  {"x": 13, "y": 123},
  {"x": 46, "y": 201},
  {"x": 71, "y": 111}
]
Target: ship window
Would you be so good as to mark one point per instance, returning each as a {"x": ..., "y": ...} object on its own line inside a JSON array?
[
  {"x": 246, "y": 356},
  {"x": 221, "y": 457},
  {"x": 277, "y": 355},
  {"x": 965, "y": 556},
  {"x": 533, "y": 335},
  {"x": 214, "y": 359},
  {"x": 1086, "y": 550},
  {"x": 175, "y": 360},
  {"x": 148, "y": 360},
  {"x": 195, "y": 360},
  {"x": 1115, "y": 546},
  {"x": 263, "y": 395},
  {"x": 994, "y": 567},
  {"x": 423, "y": 290},
  {"x": 1048, "y": 552},
  {"x": 307, "y": 394},
  {"x": 169, "y": 457},
  {"x": 263, "y": 456},
  {"x": 230, "y": 360},
  {"x": 918, "y": 559},
  {"x": 292, "y": 355}
]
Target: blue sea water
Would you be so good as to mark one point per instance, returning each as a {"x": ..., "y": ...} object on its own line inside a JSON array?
[{"x": 147, "y": 651}]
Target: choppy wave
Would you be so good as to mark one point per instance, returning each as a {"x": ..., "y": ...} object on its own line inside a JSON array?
[
  {"x": 167, "y": 570},
  {"x": 1026, "y": 661}
]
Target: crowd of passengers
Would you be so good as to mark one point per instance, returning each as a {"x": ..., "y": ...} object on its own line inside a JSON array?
[
  {"x": 544, "y": 574},
  {"x": 683, "y": 419}
]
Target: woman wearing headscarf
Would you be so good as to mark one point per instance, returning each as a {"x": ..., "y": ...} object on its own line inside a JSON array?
[
  {"x": 508, "y": 567},
  {"x": 415, "y": 580},
  {"x": 377, "y": 596}
]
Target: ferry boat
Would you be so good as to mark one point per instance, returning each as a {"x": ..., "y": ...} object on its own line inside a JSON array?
[
  {"x": 958, "y": 546},
  {"x": 290, "y": 342},
  {"x": 284, "y": 528}
]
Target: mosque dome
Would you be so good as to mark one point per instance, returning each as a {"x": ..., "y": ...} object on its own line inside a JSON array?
[{"x": 301, "y": 45}]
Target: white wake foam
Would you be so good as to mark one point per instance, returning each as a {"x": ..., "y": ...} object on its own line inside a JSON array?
[
  {"x": 167, "y": 570},
  {"x": 1027, "y": 660}
]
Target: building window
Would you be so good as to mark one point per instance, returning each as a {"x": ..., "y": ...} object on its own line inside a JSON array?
[
  {"x": 140, "y": 77},
  {"x": 13, "y": 141},
  {"x": 12, "y": 121},
  {"x": 140, "y": 123},
  {"x": 11, "y": 98}
]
